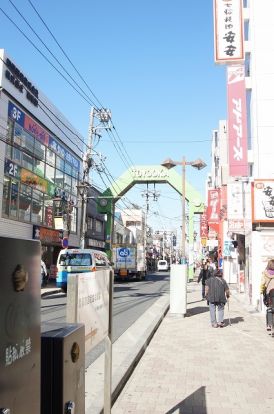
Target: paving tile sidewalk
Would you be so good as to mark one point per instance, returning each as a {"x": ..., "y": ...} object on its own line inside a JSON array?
[{"x": 190, "y": 367}]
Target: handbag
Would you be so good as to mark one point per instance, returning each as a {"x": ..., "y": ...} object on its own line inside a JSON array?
[{"x": 265, "y": 295}]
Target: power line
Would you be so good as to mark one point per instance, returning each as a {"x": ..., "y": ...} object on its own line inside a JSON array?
[{"x": 65, "y": 54}]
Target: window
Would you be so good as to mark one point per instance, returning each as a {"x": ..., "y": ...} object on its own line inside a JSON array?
[
  {"x": 89, "y": 223},
  {"x": 27, "y": 161},
  {"x": 14, "y": 199},
  {"x": 25, "y": 203},
  {"x": 74, "y": 184},
  {"x": 27, "y": 141},
  {"x": 39, "y": 150},
  {"x": 75, "y": 259},
  {"x": 48, "y": 211},
  {"x": 37, "y": 207},
  {"x": 39, "y": 167},
  {"x": 50, "y": 157},
  {"x": 98, "y": 226},
  {"x": 49, "y": 174},
  {"x": 6, "y": 197},
  {"x": 73, "y": 223},
  {"x": 67, "y": 182},
  {"x": 16, "y": 155},
  {"x": 60, "y": 163},
  {"x": 59, "y": 178},
  {"x": 68, "y": 169}
]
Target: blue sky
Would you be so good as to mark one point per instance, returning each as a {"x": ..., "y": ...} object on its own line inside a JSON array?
[{"x": 150, "y": 61}]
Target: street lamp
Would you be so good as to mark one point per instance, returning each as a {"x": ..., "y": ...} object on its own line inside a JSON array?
[{"x": 199, "y": 165}]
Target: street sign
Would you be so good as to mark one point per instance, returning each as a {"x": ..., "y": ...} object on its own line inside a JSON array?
[
  {"x": 124, "y": 252},
  {"x": 65, "y": 242}
]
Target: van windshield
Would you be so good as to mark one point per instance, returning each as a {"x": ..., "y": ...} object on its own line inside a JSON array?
[
  {"x": 75, "y": 259},
  {"x": 162, "y": 262}
]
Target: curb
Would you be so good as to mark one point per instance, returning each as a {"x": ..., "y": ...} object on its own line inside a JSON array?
[
  {"x": 51, "y": 292},
  {"x": 127, "y": 351}
]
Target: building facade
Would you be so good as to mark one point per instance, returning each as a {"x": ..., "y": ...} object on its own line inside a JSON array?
[{"x": 40, "y": 160}]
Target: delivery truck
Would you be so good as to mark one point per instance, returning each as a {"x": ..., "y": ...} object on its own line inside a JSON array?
[{"x": 129, "y": 262}]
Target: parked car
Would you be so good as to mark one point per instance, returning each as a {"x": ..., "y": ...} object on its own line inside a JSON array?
[{"x": 162, "y": 265}]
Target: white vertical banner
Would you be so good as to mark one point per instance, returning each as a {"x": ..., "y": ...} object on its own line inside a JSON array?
[
  {"x": 228, "y": 31},
  {"x": 235, "y": 201}
]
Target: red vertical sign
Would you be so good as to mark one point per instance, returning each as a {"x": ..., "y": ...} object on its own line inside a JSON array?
[
  {"x": 203, "y": 226},
  {"x": 237, "y": 126},
  {"x": 213, "y": 210}
]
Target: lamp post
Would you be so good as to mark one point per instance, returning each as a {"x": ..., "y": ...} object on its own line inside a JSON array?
[{"x": 199, "y": 165}]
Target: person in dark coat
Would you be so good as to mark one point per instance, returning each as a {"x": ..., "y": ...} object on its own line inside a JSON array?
[
  {"x": 205, "y": 273},
  {"x": 217, "y": 293}
]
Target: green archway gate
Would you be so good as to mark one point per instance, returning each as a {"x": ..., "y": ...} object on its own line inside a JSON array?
[{"x": 142, "y": 175}]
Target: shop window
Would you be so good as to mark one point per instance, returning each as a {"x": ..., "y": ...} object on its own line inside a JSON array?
[
  {"x": 59, "y": 178},
  {"x": 60, "y": 164},
  {"x": 49, "y": 173},
  {"x": 67, "y": 182},
  {"x": 8, "y": 152},
  {"x": 17, "y": 135},
  {"x": 50, "y": 157},
  {"x": 14, "y": 199},
  {"x": 74, "y": 184},
  {"x": 89, "y": 223},
  {"x": 37, "y": 212},
  {"x": 24, "y": 203},
  {"x": 10, "y": 130},
  {"x": 39, "y": 167},
  {"x": 16, "y": 155},
  {"x": 48, "y": 213},
  {"x": 74, "y": 173},
  {"x": 68, "y": 169},
  {"x": 27, "y": 141},
  {"x": 6, "y": 197},
  {"x": 27, "y": 161},
  {"x": 39, "y": 150}
]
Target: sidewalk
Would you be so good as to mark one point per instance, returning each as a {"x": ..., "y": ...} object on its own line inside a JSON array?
[{"x": 191, "y": 368}]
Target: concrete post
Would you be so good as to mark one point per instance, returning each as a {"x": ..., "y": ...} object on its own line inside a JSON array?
[{"x": 178, "y": 289}]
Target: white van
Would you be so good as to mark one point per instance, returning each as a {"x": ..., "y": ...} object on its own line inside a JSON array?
[
  {"x": 162, "y": 265},
  {"x": 79, "y": 261}
]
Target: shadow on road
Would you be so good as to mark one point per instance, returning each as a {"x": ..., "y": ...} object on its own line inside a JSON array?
[
  {"x": 194, "y": 403},
  {"x": 234, "y": 321},
  {"x": 197, "y": 310}
]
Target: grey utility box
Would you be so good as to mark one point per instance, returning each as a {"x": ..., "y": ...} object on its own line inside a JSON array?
[
  {"x": 20, "y": 297},
  {"x": 63, "y": 369}
]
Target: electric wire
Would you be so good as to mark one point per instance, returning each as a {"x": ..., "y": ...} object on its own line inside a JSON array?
[
  {"x": 54, "y": 57},
  {"x": 65, "y": 54}
]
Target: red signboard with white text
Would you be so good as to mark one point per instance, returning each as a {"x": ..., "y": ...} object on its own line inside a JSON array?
[
  {"x": 203, "y": 226},
  {"x": 213, "y": 211},
  {"x": 237, "y": 124}
]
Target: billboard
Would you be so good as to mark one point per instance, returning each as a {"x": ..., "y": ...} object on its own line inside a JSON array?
[
  {"x": 228, "y": 31},
  {"x": 213, "y": 212},
  {"x": 263, "y": 201},
  {"x": 235, "y": 201},
  {"x": 203, "y": 226},
  {"x": 237, "y": 123}
]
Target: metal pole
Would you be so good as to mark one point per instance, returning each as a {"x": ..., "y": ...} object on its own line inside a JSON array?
[
  {"x": 85, "y": 181},
  {"x": 183, "y": 210},
  {"x": 108, "y": 339}
]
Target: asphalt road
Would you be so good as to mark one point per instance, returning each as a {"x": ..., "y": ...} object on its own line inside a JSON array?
[{"x": 131, "y": 300}]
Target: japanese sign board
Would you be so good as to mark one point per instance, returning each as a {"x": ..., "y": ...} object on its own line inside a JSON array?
[
  {"x": 228, "y": 31},
  {"x": 237, "y": 123},
  {"x": 263, "y": 201},
  {"x": 203, "y": 226},
  {"x": 88, "y": 303},
  {"x": 213, "y": 211},
  {"x": 235, "y": 201}
]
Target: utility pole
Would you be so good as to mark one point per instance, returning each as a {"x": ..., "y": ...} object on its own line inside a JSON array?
[{"x": 104, "y": 117}]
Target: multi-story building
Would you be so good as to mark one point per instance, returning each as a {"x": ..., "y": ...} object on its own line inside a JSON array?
[
  {"x": 39, "y": 161},
  {"x": 250, "y": 126}
]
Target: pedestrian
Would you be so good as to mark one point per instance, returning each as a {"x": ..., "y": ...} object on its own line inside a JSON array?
[
  {"x": 211, "y": 263},
  {"x": 205, "y": 274},
  {"x": 217, "y": 293},
  {"x": 44, "y": 274},
  {"x": 267, "y": 289}
]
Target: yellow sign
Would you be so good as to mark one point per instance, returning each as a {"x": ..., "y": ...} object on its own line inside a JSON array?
[{"x": 203, "y": 241}]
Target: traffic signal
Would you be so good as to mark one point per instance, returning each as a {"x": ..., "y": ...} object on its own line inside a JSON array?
[{"x": 174, "y": 240}]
